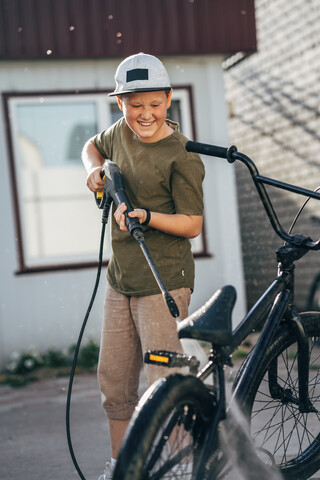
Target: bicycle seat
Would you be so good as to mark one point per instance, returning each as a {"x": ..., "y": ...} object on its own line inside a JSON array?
[{"x": 212, "y": 321}]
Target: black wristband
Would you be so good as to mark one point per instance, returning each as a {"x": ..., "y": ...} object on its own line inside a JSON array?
[{"x": 147, "y": 220}]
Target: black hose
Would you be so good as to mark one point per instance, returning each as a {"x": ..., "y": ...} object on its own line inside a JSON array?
[
  {"x": 75, "y": 358},
  {"x": 137, "y": 233}
]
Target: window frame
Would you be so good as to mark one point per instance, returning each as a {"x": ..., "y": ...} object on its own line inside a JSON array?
[{"x": 187, "y": 112}]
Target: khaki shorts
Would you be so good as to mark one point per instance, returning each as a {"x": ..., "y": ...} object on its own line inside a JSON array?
[{"x": 131, "y": 326}]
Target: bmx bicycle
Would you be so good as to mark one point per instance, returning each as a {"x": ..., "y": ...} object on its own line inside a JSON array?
[{"x": 176, "y": 429}]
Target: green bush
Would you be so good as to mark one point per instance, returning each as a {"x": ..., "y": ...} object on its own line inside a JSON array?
[
  {"x": 26, "y": 362},
  {"x": 88, "y": 355},
  {"x": 56, "y": 358}
]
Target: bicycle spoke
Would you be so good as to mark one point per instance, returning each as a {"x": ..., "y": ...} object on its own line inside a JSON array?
[
  {"x": 174, "y": 448},
  {"x": 163, "y": 440},
  {"x": 171, "y": 463},
  {"x": 278, "y": 427}
]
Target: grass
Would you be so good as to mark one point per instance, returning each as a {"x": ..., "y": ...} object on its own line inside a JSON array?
[{"x": 30, "y": 366}]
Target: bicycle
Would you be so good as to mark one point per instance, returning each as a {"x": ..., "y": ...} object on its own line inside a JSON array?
[{"x": 176, "y": 429}]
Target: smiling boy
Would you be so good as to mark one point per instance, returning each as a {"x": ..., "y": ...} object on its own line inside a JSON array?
[
  {"x": 145, "y": 114},
  {"x": 164, "y": 184}
]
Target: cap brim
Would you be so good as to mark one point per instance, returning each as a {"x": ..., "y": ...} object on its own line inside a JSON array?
[{"x": 137, "y": 90}]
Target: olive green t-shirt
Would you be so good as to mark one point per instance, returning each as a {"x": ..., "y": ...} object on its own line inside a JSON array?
[{"x": 165, "y": 178}]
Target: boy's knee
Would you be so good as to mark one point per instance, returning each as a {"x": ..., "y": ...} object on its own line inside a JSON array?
[
  {"x": 117, "y": 398},
  {"x": 119, "y": 412}
]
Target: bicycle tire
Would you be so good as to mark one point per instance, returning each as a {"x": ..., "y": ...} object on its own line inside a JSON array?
[
  {"x": 313, "y": 304},
  {"x": 167, "y": 431},
  {"x": 277, "y": 426}
]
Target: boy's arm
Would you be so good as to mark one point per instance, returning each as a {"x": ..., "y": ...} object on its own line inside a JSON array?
[
  {"x": 188, "y": 226},
  {"x": 93, "y": 162}
]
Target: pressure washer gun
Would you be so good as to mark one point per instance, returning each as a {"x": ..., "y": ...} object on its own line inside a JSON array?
[{"x": 114, "y": 191}]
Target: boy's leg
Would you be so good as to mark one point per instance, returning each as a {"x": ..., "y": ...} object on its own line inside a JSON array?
[
  {"x": 120, "y": 362},
  {"x": 158, "y": 331},
  {"x": 117, "y": 430},
  {"x": 157, "y": 328}
]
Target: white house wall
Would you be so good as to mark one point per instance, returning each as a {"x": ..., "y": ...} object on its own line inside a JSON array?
[{"x": 47, "y": 309}]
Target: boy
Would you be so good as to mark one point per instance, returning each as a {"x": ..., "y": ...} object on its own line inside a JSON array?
[{"x": 164, "y": 184}]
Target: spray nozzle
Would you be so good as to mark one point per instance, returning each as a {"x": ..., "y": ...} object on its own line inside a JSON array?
[{"x": 172, "y": 306}]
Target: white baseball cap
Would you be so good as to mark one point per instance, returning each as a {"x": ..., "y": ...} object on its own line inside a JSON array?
[{"x": 141, "y": 73}]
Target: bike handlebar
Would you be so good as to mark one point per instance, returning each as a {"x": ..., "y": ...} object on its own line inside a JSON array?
[
  {"x": 212, "y": 150},
  {"x": 231, "y": 154}
]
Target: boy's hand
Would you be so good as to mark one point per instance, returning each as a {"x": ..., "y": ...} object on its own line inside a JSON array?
[
  {"x": 139, "y": 213},
  {"x": 94, "y": 180}
]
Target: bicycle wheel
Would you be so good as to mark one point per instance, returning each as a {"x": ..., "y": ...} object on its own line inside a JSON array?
[
  {"x": 314, "y": 296},
  {"x": 288, "y": 437},
  {"x": 166, "y": 433}
]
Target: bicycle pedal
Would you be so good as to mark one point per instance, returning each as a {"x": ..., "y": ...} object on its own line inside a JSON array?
[
  {"x": 164, "y": 357},
  {"x": 171, "y": 359},
  {"x": 157, "y": 358}
]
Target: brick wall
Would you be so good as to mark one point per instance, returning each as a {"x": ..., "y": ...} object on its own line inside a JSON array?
[{"x": 274, "y": 110}]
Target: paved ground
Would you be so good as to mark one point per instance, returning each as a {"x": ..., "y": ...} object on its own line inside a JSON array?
[
  {"x": 33, "y": 435},
  {"x": 33, "y": 441}
]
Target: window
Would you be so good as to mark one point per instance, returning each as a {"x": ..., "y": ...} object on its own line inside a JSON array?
[{"x": 58, "y": 223}]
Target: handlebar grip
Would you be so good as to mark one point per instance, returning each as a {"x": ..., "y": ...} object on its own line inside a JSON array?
[
  {"x": 206, "y": 149},
  {"x": 212, "y": 150}
]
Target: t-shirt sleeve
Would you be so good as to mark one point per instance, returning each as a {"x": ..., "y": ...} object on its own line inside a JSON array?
[
  {"x": 186, "y": 184},
  {"x": 104, "y": 140}
]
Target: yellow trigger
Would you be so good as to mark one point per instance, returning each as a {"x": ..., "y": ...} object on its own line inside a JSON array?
[{"x": 100, "y": 194}]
